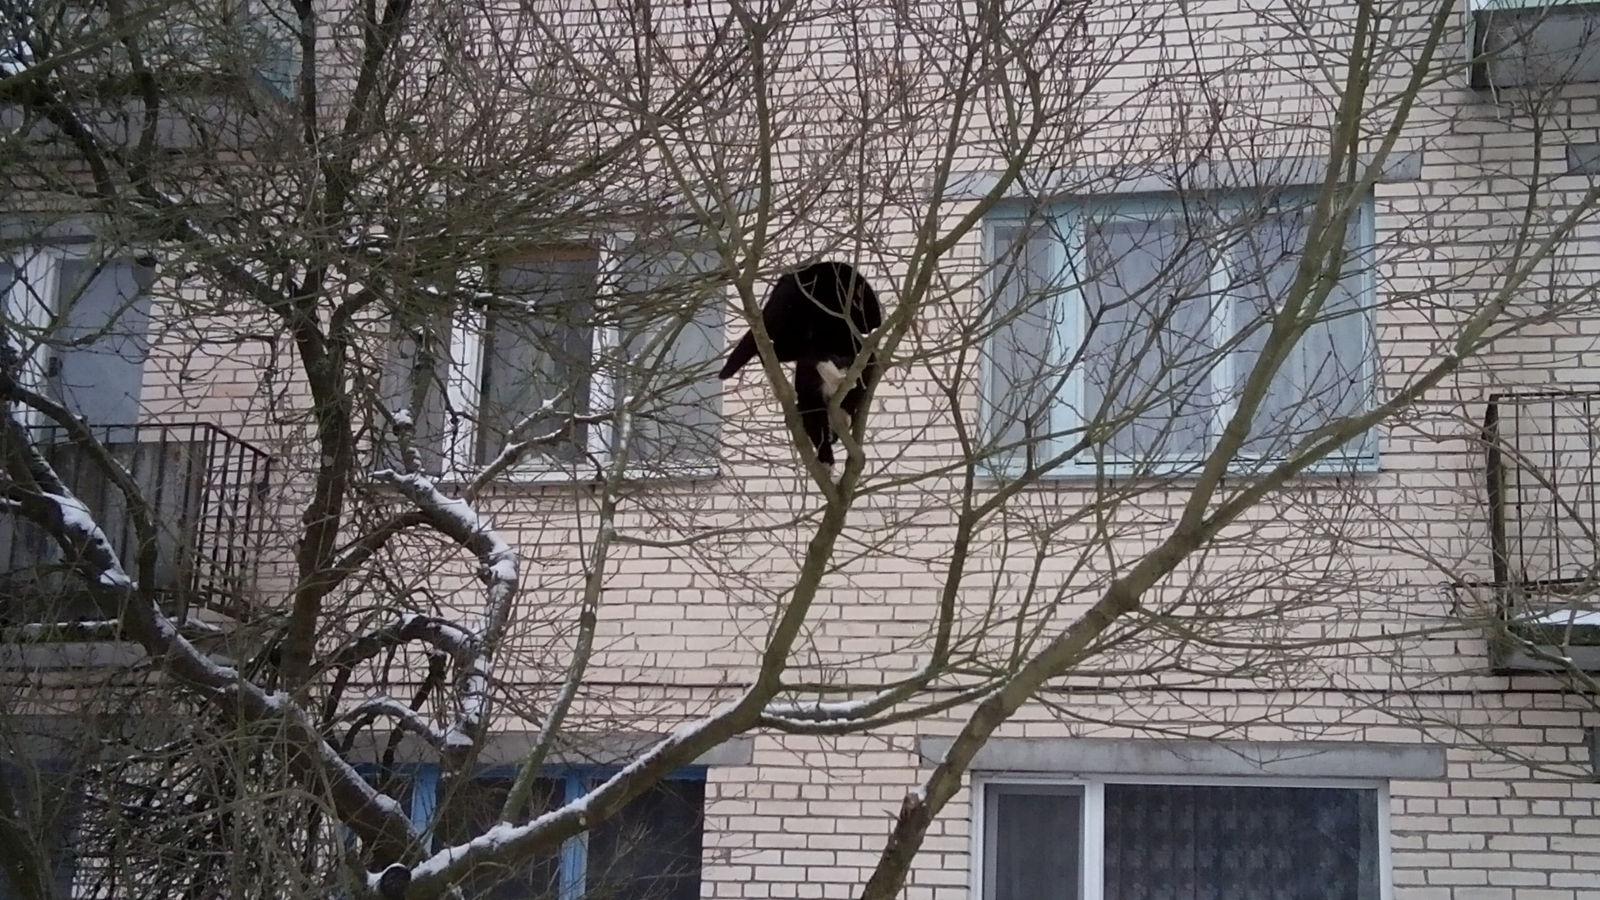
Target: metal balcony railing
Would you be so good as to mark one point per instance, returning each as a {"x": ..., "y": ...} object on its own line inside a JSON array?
[
  {"x": 1543, "y": 478},
  {"x": 205, "y": 489}
]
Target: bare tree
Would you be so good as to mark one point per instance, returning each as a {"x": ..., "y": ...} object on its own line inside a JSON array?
[{"x": 439, "y": 292}]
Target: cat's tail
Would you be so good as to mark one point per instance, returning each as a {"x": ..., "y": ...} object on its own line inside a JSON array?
[{"x": 742, "y": 352}]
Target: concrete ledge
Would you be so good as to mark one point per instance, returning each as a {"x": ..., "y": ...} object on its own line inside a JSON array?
[
  {"x": 59, "y": 736},
  {"x": 72, "y": 655},
  {"x": 1148, "y": 756},
  {"x": 605, "y": 749},
  {"x": 585, "y": 749},
  {"x": 1098, "y": 181},
  {"x": 1584, "y": 658}
]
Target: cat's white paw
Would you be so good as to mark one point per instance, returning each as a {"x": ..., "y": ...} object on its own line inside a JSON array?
[{"x": 832, "y": 377}]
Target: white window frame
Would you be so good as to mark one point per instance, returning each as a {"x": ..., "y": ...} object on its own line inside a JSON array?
[
  {"x": 39, "y": 265},
  {"x": 1091, "y": 831},
  {"x": 1490, "y": 5},
  {"x": 464, "y": 389},
  {"x": 1065, "y": 414}
]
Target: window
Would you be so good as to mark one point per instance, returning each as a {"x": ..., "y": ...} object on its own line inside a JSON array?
[
  {"x": 538, "y": 350},
  {"x": 649, "y": 851},
  {"x": 1183, "y": 841},
  {"x": 1533, "y": 43},
  {"x": 574, "y": 331},
  {"x": 274, "y": 28},
  {"x": 38, "y": 807},
  {"x": 1136, "y": 324},
  {"x": 81, "y": 326},
  {"x": 258, "y": 39}
]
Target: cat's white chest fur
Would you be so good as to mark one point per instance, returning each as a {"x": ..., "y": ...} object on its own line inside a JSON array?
[{"x": 832, "y": 377}]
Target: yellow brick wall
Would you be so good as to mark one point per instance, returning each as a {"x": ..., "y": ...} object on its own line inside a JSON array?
[{"x": 807, "y": 816}]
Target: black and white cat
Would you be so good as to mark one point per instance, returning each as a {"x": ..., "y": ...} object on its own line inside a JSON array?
[{"x": 805, "y": 315}]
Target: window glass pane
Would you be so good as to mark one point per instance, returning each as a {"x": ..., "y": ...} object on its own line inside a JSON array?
[
  {"x": 651, "y": 849},
  {"x": 37, "y": 808},
  {"x": 19, "y": 542},
  {"x": 1024, "y": 371},
  {"x": 1147, "y": 336},
  {"x": 1325, "y": 375},
  {"x": 100, "y": 341},
  {"x": 28, "y": 304},
  {"x": 669, "y": 307},
  {"x": 400, "y": 787},
  {"x": 468, "y": 807},
  {"x": 417, "y": 361},
  {"x": 8, "y": 278},
  {"x": 537, "y": 347},
  {"x": 1339, "y": 353},
  {"x": 29, "y": 312},
  {"x": 1033, "y": 835},
  {"x": 1264, "y": 261},
  {"x": 1202, "y": 842}
]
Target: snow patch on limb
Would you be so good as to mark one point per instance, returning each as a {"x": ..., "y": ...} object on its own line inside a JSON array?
[
  {"x": 444, "y": 634},
  {"x": 77, "y": 521},
  {"x": 558, "y": 825},
  {"x": 43, "y": 632},
  {"x": 235, "y": 697},
  {"x": 115, "y": 578},
  {"x": 499, "y": 568},
  {"x": 460, "y": 521},
  {"x": 1569, "y": 616},
  {"x": 820, "y": 710},
  {"x": 422, "y": 491},
  {"x": 39, "y": 629},
  {"x": 499, "y": 837},
  {"x": 440, "y": 634},
  {"x": 456, "y": 739},
  {"x": 407, "y": 718}
]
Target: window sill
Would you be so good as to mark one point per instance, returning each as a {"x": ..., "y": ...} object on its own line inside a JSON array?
[
  {"x": 1366, "y": 466},
  {"x": 545, "y": 476},
  {"x": 592, "y": 475}
]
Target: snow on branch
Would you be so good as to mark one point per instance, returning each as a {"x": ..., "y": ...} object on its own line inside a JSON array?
[
  {"x": 441, "y": 634},
  {"x": 498, "y": 567},
  {"x": 822, "y": 710},
  {"x": 48, "y": 502},
  {"x": 404, "y": 716},
  {"x": 90, "y": 631},
  {"x": 886, "y": 707},
  {"x": 504, "y": 841}
]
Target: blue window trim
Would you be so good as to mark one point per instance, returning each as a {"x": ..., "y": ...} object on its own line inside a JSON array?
[
  {"x": 1066, "y": 217},
  {"x": 573, "y": 859}
]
